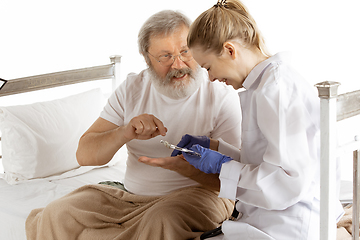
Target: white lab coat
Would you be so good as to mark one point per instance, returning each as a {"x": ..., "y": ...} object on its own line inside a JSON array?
[{"x": 276, "y": 174}]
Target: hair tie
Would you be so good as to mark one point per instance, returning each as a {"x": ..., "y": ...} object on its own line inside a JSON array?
[{"x": 221, "y": 3}]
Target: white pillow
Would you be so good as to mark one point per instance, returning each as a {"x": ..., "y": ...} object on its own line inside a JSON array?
[{"x": 40, "y": 140}]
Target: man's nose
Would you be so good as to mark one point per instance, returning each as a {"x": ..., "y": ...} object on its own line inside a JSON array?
[{"x": 178, "y": 63}]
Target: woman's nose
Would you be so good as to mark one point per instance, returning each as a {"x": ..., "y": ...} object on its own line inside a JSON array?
[{"x": 211, "y": 77}]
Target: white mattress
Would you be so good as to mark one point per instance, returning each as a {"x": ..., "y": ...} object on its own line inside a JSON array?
[{"x": 16, "y": 201}]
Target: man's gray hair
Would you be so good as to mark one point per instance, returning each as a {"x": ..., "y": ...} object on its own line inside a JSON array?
[{"x": 160, "y": 24}]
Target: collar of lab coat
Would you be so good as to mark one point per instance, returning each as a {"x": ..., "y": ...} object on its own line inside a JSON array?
[{"x": 258, "y": 69}]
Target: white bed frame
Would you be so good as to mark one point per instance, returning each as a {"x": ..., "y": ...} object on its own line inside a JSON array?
[
  {"x": 334, "y": 108},
  {"x": 39, "y": 82},
  {"x": 57, "y": 79}
]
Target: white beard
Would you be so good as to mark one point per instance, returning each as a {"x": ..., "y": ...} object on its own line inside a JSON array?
[{"x": 176, "y": 89}]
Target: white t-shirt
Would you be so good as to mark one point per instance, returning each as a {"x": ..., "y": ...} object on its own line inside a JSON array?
[{"x": 213, "y": 110}]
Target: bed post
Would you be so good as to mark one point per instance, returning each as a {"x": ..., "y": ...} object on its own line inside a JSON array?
[
  {"x": 327, "y": 94},
  {"x": 116, "y": 60},
  {"x": 356, "y": 184}
]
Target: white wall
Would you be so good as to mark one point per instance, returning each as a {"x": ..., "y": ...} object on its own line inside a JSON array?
[{"x": 39, "y": 36}]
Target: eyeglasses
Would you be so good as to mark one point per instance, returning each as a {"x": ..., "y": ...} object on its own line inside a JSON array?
[{"x": 168, "y": 59}]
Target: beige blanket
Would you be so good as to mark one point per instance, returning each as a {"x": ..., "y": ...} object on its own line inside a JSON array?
[{"x": 105, "y": 212}]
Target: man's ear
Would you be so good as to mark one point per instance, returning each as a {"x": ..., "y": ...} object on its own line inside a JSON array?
[{"x": 229, "y": 49}]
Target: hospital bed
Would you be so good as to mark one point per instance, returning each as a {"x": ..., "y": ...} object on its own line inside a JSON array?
[
  {"x": 39, "y": 141},
  {"x": 37, "y": 137},
  {"x": 336, "y": 108}
]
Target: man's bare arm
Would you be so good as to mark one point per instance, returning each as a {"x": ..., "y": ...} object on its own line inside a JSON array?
[
  {"x": 103, "y": 139},
  {"x": 99, "y": 143}
]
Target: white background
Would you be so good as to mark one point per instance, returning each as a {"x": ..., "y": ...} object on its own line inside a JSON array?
[
  {"x": 38, "y": 36},
  {"x": 45, "y": 36}
]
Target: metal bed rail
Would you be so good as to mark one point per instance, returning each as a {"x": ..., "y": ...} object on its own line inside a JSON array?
[
  {"x": 334, "y": 108},
  {"x": 50, "y": 80}
]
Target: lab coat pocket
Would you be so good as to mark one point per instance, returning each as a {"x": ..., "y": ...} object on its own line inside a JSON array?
[{"x": 281, "y": 226}]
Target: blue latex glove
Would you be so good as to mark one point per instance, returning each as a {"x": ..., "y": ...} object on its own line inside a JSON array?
[
  {"x": 209, "y": 162},
  {"x": 187, "y": 141}
]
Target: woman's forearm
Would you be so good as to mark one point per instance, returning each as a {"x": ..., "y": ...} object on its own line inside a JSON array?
[{"x": 214, "y": 144}]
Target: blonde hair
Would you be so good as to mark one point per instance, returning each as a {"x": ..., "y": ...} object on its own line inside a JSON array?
[{"x": 227, "y": 20}]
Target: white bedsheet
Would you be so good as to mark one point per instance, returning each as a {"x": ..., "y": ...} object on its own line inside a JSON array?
[{"x": 16, "y": 201}]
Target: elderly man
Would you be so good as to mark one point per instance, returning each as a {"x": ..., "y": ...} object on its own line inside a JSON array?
[{"x": 169, "y": 99}]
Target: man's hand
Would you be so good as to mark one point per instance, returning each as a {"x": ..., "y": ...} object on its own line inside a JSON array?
[
  {"x": 177, "y": 164},
  {"x": 181, "y": 166},
  {"x": 143, "y": 127}
]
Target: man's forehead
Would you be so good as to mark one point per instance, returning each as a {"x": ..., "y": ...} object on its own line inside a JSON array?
[
  {"x": 169, "y": 42},
  {"x": 171, "y": 50},
  {"x": 169, "y": 46}
]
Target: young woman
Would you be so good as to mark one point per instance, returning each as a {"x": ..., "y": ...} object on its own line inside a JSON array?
[{"x": 275, "y": 175}]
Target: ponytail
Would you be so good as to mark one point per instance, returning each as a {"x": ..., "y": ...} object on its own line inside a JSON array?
[{"x": 226, "y": 20}]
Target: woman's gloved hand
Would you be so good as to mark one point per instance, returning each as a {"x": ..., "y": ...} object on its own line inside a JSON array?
[
  {"x": 187, "y": 141},
  {"x": 209, "y": 162}
]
